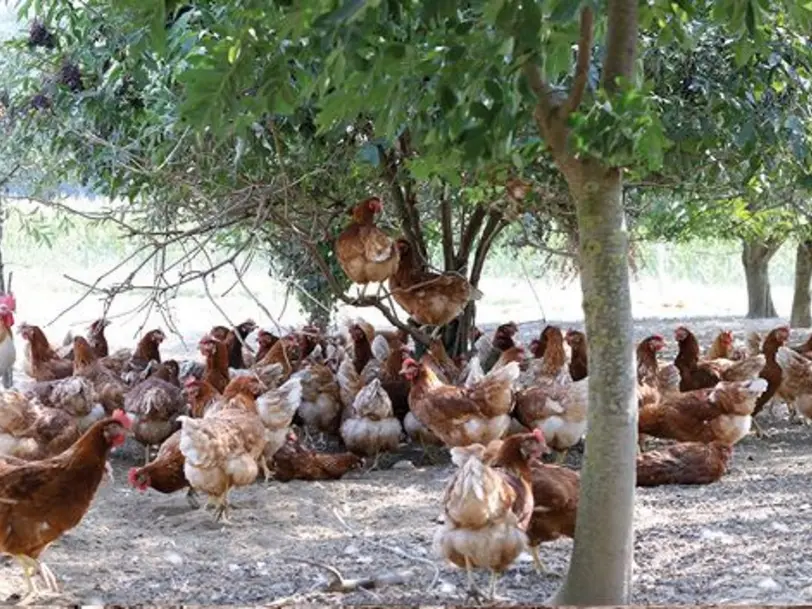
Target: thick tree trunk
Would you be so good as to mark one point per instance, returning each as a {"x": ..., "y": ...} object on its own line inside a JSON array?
[
  {"x": 756, "y": 256},
  {"x": 601, "y": 564},
  {"x": 801, "y": 303}
]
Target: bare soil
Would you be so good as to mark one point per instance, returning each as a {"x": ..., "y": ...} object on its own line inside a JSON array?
[{"x": 742, "y": 540}]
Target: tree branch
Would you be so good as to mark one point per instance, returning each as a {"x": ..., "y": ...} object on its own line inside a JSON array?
[
  {"x": 544, "y": 109},
  {"x": 621, "y": 42},
  {"x": 581, "y": 63},
  {"x": 447, "y": 229},
  {"x": 493, "y": 227},
  {"x": 468, "y": 237}
]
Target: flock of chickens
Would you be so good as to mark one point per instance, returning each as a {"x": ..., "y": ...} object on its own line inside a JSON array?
[{"x": 219, "y": 423}]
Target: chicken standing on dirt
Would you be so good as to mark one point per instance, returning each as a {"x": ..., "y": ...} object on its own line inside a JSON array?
[
  {"x": 201, "y": 396},
  {"x": 221, "y": 451},
  {"x": 684, "y": 463},
  {"x": 108, "y": 386},
  {"x": 796, "y": 381},
  {"x": 772, "y": 371},
  {"x": 154, "y": 405},
  {"x": 462, "y": 415},
  {"x": 698, "y": 374},
  {"x": 431, "y": 299},
  {"x": 165, "y": 472},
  {"x": 371, "y": 427},
  {"x": 364, "y": 251},
  {"x": 488, "y": 508},
  {"x": 41, "y": 500},
  {"x": 41, "y": 361},
  {"x": 555, "y": 499},
  {"x": 294, "y": 461},
  {"x": 129, "y": 364},
  {"x": 647, "y": 365},
  {"x": 276, "y": 408},
  {"x": 579, "y": 368},
  {"x": 320, "y": 408}
]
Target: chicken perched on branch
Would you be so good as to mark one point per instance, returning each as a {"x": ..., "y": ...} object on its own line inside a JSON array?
[
  {"x": 42, "y": 362},
  {"x": 488, "y": 507},
  {"x": 431, "y": 299},
  {"x": 364, "y": 251},
  {"x": 461, "y": 415},
  {"x": 41, "y": 500}
]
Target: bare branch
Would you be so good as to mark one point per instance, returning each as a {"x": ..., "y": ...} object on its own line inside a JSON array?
[{"x": 581, "y": 63}]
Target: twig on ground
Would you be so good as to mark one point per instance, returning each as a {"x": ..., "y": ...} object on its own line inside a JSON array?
[
  {"x": 337, "y": 582},
  {"x": 357, "y": 534}
]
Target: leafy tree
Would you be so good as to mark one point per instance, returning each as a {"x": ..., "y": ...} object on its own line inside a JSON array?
[{"x": 442, "y": 98}]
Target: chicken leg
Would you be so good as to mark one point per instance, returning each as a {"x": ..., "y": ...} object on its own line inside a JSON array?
[
  {"x": 473, "y": 592},
  {"x": 221, "y": 513},
  {"x": 30, "y": 567}
]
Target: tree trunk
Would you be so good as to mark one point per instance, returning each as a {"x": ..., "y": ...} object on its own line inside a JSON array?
[
  {"x": 801, "y": 303},
  {"x": 756, "y": 256},
  {"x": 600, "y": 567}
]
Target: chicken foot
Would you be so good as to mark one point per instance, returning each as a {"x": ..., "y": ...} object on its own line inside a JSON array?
[
  {"x": 30, "y": 567},
  {"x": 191, "y": 498},
  {"x": 221, "y": 512},
  {"x": 541, "y": 569}
]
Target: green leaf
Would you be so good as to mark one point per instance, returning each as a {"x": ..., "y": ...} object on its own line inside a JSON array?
[{"x": 564, "y": 10}]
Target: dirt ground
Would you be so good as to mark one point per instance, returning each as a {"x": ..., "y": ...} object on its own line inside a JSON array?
[{"x": 742, "y": 540}]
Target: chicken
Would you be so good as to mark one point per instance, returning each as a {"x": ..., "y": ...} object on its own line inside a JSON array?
[
  {"x": 201, "y": 396},
  {"x": 553, "y": 363},
  {"x": 42, "y": 363},
  {"x": 557, "y": 409},
  {"x": 389, "y": 355},
  {"x": 235, "y": 341},
  {"x": 502, "y": 341},
  {"x": 108, "y": 386},
  {"x": 771, "y": 371},
  {"x": 293, "y": 461},
  {"x": 647, "y": 364},
  {"x": 430, "y": 299},
  {"x": 445, "y": 366},
  {"x": 361, "y": 336},
  {"x": 320, "y": 408},
  {"x": 721, "y": 414},
  {"x": 74, "y": 395},
  {"x": 488, "y": 507},
  {"x": 165, "y": 472},
  {"x": 220, "y": 452},
  {"x": 30, "y": 431},
  {"x": 461, "y": 415},
  {"x": 216, "y": 354},
  {"x": 276, "y": 409},
  {"x": 703, "y": 375},
  {"x": 41, "y": 500},
  {"x": 8, "y": 351},
  {"x": 285, "y": 352},
  {"x": 154, "y": 406},
  {"x": 796, "y": 380},
  {"x": 365, "y": 252},
  {"x": 370, "y": 427},
  {"x": 97, "y": 339},
  {"x": 147, "y": 350},
  {"x": 722, "y": 346},
  {"x": 555, "y": 499},
  {"x": 578, "y": 354},
  {"x": 684, "y": 463},
  {"x": 265, "y": 340}
]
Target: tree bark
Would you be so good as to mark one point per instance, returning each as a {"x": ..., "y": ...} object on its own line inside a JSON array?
[
  {"x": 602, "y": 556},
  {"x": 801, "y": 316},
  {"x": 601, "y": 564},
  {"x": 756, "y": 256}
]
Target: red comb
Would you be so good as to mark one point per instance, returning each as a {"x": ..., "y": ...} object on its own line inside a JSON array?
[
  {"x": 121, "y": 417},
  {"x": 409, "y": 361},
  {"x": 9, "y": 301}
]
